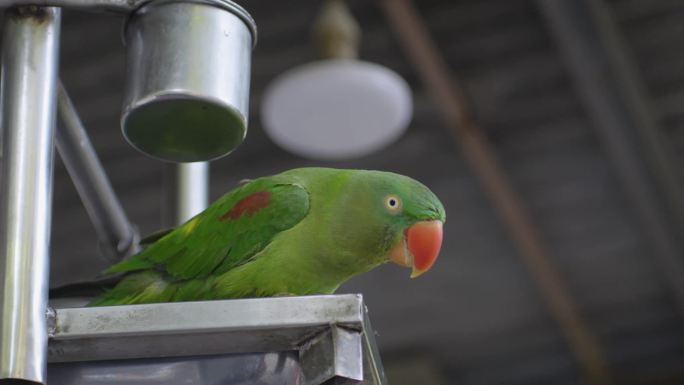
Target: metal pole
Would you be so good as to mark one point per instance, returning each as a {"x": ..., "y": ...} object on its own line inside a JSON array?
[
  {"x": 188, "y": 188},
  {"x": 117, "y": 235},
  {"x": 29, "y": 76}
]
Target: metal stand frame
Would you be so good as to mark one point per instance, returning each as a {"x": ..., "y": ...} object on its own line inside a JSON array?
[
  {"x": 187, "y": 191},
  {"x": 29, "y": 79},
  {"x": 118, "y": 237},
  {"x": 309, "y": 340}
]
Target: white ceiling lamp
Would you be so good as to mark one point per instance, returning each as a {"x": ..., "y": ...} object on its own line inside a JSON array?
[{"x": 339, "y": 107}]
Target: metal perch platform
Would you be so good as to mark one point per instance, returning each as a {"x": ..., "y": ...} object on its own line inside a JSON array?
[{"x": 298, "y": 340}]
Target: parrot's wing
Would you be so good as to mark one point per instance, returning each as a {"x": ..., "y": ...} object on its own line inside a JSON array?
[
  {"x": 227, "y": 234},
  {"x": 154, "y": 237}
]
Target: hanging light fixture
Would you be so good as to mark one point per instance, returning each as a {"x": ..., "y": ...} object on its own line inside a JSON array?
[{"x": 338, "y": 107}]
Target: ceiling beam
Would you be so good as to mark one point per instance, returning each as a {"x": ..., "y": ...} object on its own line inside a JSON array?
[
  {"x": 438, "y": 80},
  {"x": 606, "y": 78}
]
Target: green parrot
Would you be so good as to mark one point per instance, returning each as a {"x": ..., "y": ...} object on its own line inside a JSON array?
[{"x": 304, "y": 231}]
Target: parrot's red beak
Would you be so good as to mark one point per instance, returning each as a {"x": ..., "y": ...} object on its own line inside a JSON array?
[{"x": 420, "y": 247}]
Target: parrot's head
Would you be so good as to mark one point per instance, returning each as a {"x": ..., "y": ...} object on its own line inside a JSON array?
[{"x": 397, "y": 217}]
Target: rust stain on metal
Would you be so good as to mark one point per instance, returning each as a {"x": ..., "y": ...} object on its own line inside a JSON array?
[{"x": 38, "y": 14}]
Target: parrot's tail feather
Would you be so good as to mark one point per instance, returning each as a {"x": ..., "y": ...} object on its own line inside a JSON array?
[
  {"x": 85, "y": 289},
  {"x": 135, "y": 288}
]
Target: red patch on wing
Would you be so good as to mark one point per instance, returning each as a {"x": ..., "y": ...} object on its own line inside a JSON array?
[{"x": 248, "y": 205}]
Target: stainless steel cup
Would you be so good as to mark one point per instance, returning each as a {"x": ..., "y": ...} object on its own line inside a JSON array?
[{"x": 187, "y": 90}]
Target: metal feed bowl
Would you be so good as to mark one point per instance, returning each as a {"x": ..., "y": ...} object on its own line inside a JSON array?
[{"x": 187, "y": 89}]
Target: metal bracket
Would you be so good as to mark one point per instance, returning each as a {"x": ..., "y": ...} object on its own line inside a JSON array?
[
  {"x": 117, "y": 6},
  {"x": 333, "y": 357},
  {"x": 127, "y": 6}
]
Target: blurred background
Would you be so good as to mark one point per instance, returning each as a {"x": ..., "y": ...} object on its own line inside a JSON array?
[{"x": 562, "y": 260}]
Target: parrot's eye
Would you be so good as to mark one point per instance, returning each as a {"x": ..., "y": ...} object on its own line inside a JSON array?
[{"x": 392, "y": 203}]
